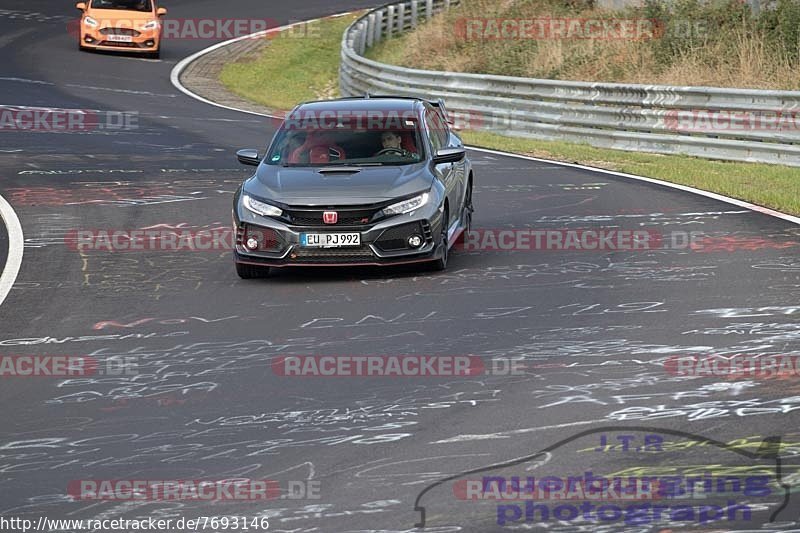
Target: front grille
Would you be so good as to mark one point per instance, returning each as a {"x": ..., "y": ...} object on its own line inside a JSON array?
[
  {"x": 121, "y": 45},
  {"x": 332, "y": 255},
  {"x": 396, "y": 238},
  {"x": 347, "y": 217},
  {"x": 426, "y": 231},
  {"x": 120, "y": 31}
]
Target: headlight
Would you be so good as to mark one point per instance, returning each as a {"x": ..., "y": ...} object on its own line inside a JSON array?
[
  {"x": 407, "y": 205},
  {"x": 90, "y": 22},
  {"x": 260, "y": 208},
  {"x": 152, "y": 25}
]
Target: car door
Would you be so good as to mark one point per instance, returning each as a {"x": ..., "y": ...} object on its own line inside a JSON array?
[
  {"x": 445, "y": 172},
  {"x": 459, "y": 168}
]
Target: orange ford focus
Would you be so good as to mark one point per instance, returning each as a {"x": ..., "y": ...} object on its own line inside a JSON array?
[{"x": 122, "y": 25}]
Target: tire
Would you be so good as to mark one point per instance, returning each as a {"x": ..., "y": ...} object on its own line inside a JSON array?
[
  {"x": 246, "y": 271},
  {"x": 440, "y": 264},
  {"x": 466, "y": 220},
  {"x": 154, "y": 55}
]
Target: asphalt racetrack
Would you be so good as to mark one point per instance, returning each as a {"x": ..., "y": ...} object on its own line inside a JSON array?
[{"x": 588, "y": 330}]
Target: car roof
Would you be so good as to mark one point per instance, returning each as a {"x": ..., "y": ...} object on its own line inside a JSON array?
[{"x": 372, "y": 103}]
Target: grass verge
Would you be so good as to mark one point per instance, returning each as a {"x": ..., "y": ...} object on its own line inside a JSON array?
[
  {"x": 297, "y": 65},
  {"x": 291, "y": 70}
]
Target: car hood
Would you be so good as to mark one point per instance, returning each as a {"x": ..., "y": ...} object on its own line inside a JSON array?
[
  {"x": 307, "y": 186},
  {"x": 107, "y": 16}
]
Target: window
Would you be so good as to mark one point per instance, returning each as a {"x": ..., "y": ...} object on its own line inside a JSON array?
[
  {"x": 437, "y": 128},
  {"x": 345, "y": 138},
  {"x": 128, "y": 5}
]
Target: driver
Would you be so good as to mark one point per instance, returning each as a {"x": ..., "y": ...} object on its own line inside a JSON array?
[{"x": 391, "y": 142}]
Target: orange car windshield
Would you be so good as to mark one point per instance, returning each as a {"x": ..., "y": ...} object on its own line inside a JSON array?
[{"x": 127, "y": 5}]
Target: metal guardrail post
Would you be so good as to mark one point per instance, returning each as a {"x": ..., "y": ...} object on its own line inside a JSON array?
[
  {"x": 401, "y": 18},
  {"x": 389, "y": 22},
  {"x": 361, "y": 37},
  {"x": 414, "y": 13},
  {"x": 376, "y": 38},
  {"x": 370, "y": 30}
]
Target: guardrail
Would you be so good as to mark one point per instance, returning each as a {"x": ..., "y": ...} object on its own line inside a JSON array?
[{"x": 715, "y": 123}]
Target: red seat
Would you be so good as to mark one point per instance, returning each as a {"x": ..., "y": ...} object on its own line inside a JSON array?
[
  {"x": 319, "y": 154},
  {"x": 407, "y": 142},
  {"x": 318, "y": 149}
]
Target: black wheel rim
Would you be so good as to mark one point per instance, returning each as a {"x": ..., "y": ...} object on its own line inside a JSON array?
[
  {"x": 469, "y": 209},
  {"x": 444, "y": 241}
]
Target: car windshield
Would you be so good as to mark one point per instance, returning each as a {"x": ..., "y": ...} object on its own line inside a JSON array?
[
  {"x": 128, "y": 5},
  {"x": 349, "y": 141}
]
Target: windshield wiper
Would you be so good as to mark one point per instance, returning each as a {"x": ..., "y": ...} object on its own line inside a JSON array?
[
  {"x": 356, "y": 164},
  {"x": 336, "y": 165}
]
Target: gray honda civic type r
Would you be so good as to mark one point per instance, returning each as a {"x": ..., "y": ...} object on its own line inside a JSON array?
[{"x": 354, "y": 181}]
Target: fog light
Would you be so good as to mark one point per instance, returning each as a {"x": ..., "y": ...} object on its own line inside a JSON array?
[
  {"x": 88, "y": 39},
  {"x": 415, "y": 241},
  {"x": 149, "y": 43},
  {"x": 252, "y": 243}
]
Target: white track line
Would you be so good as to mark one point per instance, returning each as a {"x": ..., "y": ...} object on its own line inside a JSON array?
[
  {"x": 16, "y": 243},
  {"x": 175, "y": 79}
]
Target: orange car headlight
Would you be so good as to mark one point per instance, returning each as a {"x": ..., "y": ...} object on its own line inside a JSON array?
[
  {"x": 89, "y": 21},
  {"x": 152, "y": 25}
]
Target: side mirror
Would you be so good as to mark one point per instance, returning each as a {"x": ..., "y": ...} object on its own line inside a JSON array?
[
  {"x": 449, "y": 155},
  {"x": 161, "y": 11},
  {"x": 248, "y": 157},
  {"x": 81, "y": 6}
]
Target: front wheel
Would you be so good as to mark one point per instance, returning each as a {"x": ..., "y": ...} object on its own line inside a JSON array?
[
  {"x": 246, "y": 271},
  {"x": 441, "y": 263},
  {"x": 468, "y": 210}
]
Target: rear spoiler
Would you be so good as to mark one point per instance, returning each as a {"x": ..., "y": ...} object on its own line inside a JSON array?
[
  {"x": 443, "y": 110},
  {"x": 438, "y": 104}
]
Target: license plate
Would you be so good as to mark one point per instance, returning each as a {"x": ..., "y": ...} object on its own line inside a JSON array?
[
  {"x": 120, "y": 38},
  {"x": 330, "y": 240}
]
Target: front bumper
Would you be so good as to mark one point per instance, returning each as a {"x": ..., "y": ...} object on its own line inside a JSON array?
[
  {"x": 382, "y": 243},
  {"x": 101, "y": 39}
]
